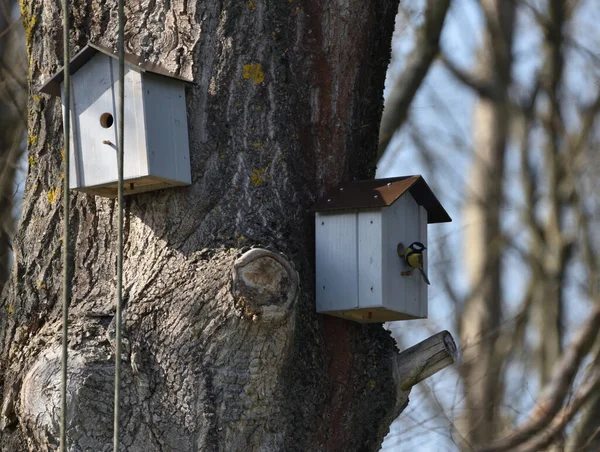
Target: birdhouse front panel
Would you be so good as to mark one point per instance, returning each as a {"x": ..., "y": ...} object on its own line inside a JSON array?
[
  {"x": 94, "y": 124},
  {"x": 350, "y": 266}
]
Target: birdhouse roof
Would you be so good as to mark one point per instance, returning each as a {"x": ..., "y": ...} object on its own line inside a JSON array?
[
  {"x": 383, "y": 193},
  {"x": 52, "y": 86}
]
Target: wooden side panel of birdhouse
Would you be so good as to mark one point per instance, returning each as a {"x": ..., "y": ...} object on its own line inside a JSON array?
[
  {"x": 336, "y": 252},
  {"x": 370, "y": 265},
  {"x": 167, "y": 131},
  {"x": 74, "y": 150},
  {"x": 402, "y": 293}
]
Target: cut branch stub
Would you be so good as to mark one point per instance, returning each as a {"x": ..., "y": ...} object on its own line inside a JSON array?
[
  {"x": 424, "y": 359},
  {"x": 265, "y": 284}
]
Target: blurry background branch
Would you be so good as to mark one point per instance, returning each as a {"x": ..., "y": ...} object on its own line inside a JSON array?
[
  {"x": 507, "y": 125},
  {"x": 403, "y": 92},
  {"x": 554, "y": 393},
  {"x": 13, "y": 123}
]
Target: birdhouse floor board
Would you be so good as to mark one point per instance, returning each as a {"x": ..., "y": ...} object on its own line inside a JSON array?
[
  {"x": 131, "y": 186},
  {"x": 371, "y": 315}
]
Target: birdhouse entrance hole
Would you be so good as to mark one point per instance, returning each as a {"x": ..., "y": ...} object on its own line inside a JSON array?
[{"x": 106, "y": 120}]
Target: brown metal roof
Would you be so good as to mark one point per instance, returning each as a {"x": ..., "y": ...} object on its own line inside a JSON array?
[
  {"x": 52, "y": 86},
  {"x": 383, "y": 193}
]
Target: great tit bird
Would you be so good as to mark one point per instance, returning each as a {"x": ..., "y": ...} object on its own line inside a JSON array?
[{"x": 413, "y": 255}]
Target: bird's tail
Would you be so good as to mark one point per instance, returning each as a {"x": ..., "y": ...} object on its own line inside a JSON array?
[{"x": 424, "y": 276}]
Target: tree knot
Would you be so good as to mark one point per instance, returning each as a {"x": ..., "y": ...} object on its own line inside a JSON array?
[{"x": 264, "y": 284}]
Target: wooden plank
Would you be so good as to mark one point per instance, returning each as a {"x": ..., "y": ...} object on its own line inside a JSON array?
[
  {"x": 412, "y": 234},
  {"x": 75, "y": 167},
  {"x": 424, "y": 288},
  {"x": 370, "y": 263},
  {"x": 135, "y": 158},
  {"x": 336, "y": 261},
  {"x": 132, "y": 186},
  {"x": 394, "y": 232},
  {"x": 167, "y": 132},
  {"x": 372, "y": 315}
]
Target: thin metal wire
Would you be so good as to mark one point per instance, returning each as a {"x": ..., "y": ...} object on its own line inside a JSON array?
[
  {"x": 120, "y": 142},
  {"x": 66, "y": 200}
]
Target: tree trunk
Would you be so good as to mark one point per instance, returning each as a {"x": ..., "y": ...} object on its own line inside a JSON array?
[
  {"x": 287, "y": 103},
  {"x": 555, "y": 255},
  {"x": 482, "y": 317}
]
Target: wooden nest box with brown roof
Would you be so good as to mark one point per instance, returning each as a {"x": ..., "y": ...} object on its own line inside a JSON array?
[{"x": 359, "y": 225}]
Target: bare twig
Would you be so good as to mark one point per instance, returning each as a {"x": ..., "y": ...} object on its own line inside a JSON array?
[
  {"x": 418, "y": 63},
  {"x": 555, "y": 391},
  {"x": 480, "y": 85},
  {"x": 541, "y": 441}
]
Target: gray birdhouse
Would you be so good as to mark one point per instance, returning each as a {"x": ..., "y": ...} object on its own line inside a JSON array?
[
  {"x": 156, "y": 148},
  {"x": 359, "y": 274}
]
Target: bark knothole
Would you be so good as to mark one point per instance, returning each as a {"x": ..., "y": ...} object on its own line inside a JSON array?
[{"x": 264, "y": 284}]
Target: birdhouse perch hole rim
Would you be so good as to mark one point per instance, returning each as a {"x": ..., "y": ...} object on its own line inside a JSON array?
[{"x": 106, "y": 120}]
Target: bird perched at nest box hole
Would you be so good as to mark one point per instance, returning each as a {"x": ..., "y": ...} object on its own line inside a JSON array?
[{"x": 413, "y": 255}]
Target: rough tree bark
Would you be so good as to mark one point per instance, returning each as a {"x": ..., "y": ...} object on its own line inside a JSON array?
[{"x": 287, "y": 103}]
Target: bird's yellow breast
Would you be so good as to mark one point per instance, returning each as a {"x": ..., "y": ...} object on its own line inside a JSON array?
[{"x": 415, "y": 260}]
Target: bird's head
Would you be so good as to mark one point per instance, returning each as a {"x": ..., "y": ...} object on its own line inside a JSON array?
[{"x": 418, "y": 246}]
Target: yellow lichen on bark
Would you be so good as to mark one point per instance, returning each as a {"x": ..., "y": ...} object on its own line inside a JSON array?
[
  {"x": 32, "y": 140},
  {"x": 258, "y": 176},
  {"x": 254, "y": 72},
  {"x": 52, "y": 195},
  {"x": 29, "y": 20}
]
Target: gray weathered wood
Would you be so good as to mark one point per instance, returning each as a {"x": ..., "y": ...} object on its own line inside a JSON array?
[
  {"x": 358, "y": 270},
  {"x": 156, "y": 137},
  {"x": 370, "y": 266},
  {"x": 423, "y": 287},
  {"x": 394, "y": 231},
  {"x": 336, "y": 265},
  {"x": 402, "y": 225},
  {"x": 411, "y": 234},
  {"x": 424, "y": 359},
  {"x": 166, "y": 128}
]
